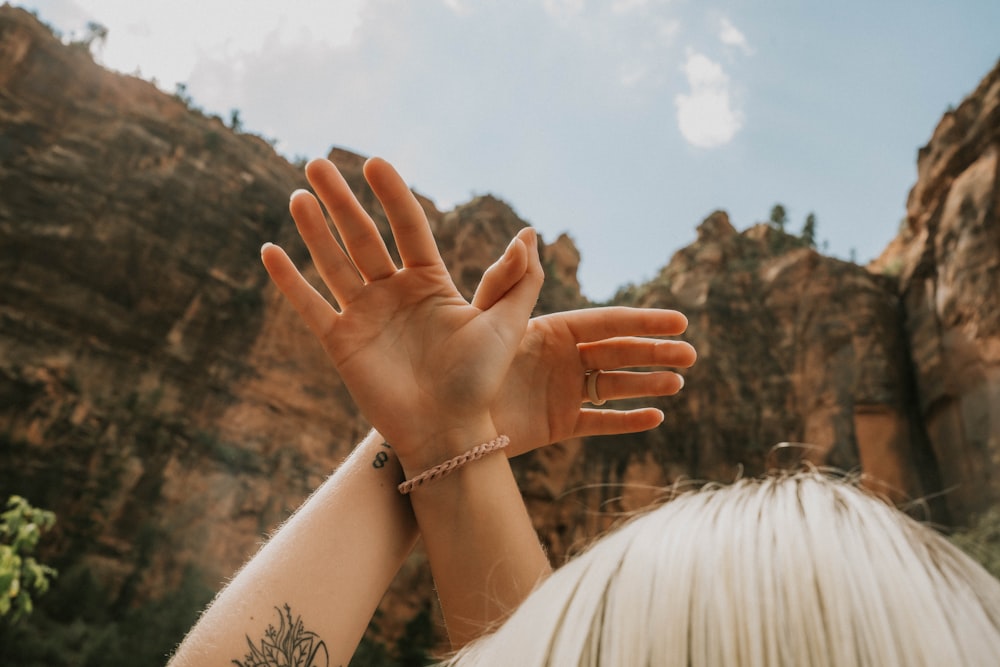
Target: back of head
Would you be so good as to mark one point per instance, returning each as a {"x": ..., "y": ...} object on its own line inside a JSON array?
[{"x": 788, "y": 570}]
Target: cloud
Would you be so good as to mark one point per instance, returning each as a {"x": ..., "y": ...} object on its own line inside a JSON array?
[
  {"x": 623, "y": 6},
  {"x": 458, "y": 6},
  {"x": 165, "y": 39},
  {"x": 707, "y": 116},
  {"x": 563, "y": 9},
  {"x": 730, "y": 35}
]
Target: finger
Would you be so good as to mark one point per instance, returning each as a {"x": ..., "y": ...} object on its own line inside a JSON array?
[
  {"x": 502, "y": 275},
  {"x": 516, "y": 304},
  {"x": 614, "y": 321},
  {"x": 612, "y": 422},
  {"x": 314, "y": 310},
  {"x": 633, "y": 352},
  {"x": 361, "y": 238},
  {"x": 614, "y": 385},
  {"x": 333, "y": 264},
  {"x": 410, "y": 228}
]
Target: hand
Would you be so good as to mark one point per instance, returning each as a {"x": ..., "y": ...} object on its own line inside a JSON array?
[
  {"x": 422, "y": 364},
  {"x": 540, "y": 400}
]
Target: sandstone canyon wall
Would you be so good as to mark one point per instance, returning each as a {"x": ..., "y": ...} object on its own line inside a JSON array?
[
  {"x": 160, "y": 396},
  {"x": 948, "y": 260}
]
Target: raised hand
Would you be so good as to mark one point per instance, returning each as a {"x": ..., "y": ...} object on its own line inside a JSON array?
[
  {"x": 422, "y": 364},
  {"x": 540, "y": 401}
]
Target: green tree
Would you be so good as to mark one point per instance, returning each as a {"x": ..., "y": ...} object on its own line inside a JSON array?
[
  {"x": 235, "y": 121},
  {"x": 809, "y": 230},
  {"x": 96, "y": 33},
  {"x": 182, "y": 94},
  {"x": 779, "y": 217},
  {"x": 21, "y": 576}
]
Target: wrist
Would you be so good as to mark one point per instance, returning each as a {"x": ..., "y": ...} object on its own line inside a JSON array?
[{"x": 421, "y": 452}]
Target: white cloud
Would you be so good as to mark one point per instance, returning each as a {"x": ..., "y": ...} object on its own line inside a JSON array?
[
  {"x": 458, "y": 6},
  {"x": 707, "y": 116},
  {"x": 624, "y": 6},
  {"x": 730, "y": 35},
  {"x": 563, "y": 9},
  {"x": 632, "y": 74},
  {"x": 164, "y": 39},
  {"x": 666, "y": 29}
]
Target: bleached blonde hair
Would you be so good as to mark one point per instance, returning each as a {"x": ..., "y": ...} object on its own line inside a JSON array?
[{"x": 789, "y": 570}]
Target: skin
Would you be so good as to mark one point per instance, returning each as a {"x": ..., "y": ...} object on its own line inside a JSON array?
[{"x": 436, "y": 375}]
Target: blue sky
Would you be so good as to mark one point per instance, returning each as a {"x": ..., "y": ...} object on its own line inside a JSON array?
[{"x": 622, "y": 122}]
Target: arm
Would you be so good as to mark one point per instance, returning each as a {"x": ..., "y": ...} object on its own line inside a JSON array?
[
  {"x": 438, "y": 376},
  {"x": 328, "y": 567},
  {"x": 335, "y": 576}
]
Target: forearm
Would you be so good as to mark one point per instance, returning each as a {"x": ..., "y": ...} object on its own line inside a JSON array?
[
  {"x": 483, "y": 551},
  {"x": 329, "y": 564}
]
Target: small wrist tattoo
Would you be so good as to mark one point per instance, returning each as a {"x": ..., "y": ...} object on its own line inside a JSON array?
[{"x": 382, "y": 457}]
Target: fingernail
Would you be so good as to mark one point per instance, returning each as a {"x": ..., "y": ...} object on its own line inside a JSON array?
[
  {"x": 265, "y": 246},
  {"x": 681, "y": 378},
  {"x": 292, "y": 196}
]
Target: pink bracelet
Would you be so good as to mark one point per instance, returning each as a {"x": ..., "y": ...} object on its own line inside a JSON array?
[{"x": 442, "y": 469}]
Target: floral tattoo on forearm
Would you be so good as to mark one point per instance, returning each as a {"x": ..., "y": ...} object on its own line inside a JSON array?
[{"x": 289, "y": 645}]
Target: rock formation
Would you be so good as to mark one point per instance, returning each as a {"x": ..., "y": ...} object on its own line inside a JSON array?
[
  {"x": 947, "y": 258},
  {"x": 162, "y": 398}
]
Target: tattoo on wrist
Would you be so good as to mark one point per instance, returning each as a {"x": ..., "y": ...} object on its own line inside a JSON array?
[
  {"x": 289, "y": 644},
  {"x": 382, "y": 457}
]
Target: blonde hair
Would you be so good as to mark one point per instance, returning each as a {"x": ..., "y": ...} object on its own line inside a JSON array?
[{"x": 797, "y": 569}]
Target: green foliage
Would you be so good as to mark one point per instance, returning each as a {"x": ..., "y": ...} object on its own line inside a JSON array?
[
  {"x": 235, "y": 121},
  {"x": 21, "y": 576},
  {"x": 82, "y": 623},
  {"x": 808, "y": 235},
  {"x": 96, "y": 34},
  {"x": 182, "y": 94},
  {"x": 893, "y": 268},
  {"x": 981, "y": 540},
  {"x": 779, "y": 217},
  {"x": 412, "y": 649}
]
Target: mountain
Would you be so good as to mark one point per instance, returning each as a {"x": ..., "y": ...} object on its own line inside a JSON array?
[{"x": 158, "y": 394}]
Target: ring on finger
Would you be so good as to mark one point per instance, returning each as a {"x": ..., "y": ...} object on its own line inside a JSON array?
[{"x": 592, "y": 394}]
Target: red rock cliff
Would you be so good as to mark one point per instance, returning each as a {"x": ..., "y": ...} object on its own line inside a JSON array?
[{"x": 948, "y": 261}]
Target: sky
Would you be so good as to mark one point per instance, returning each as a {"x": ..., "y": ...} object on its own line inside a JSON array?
[{"x": 623, "y": 123}]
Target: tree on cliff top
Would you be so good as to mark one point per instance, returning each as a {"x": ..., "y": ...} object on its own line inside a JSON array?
[
  {"x": 779, "y": 217},
  {"x": 809, "y": 230}
]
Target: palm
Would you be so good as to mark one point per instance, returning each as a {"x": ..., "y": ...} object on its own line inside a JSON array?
[
  {"x": 414, "y": 353},
  {"x": 539, "y": 402}
]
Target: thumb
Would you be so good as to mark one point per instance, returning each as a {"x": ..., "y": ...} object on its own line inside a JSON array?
[
  {"x": 516, "y": 304},
  {"x": 502, "y": 275}
]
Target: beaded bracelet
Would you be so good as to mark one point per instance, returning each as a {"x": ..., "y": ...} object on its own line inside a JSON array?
[{"x": 442, "y": 469}]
